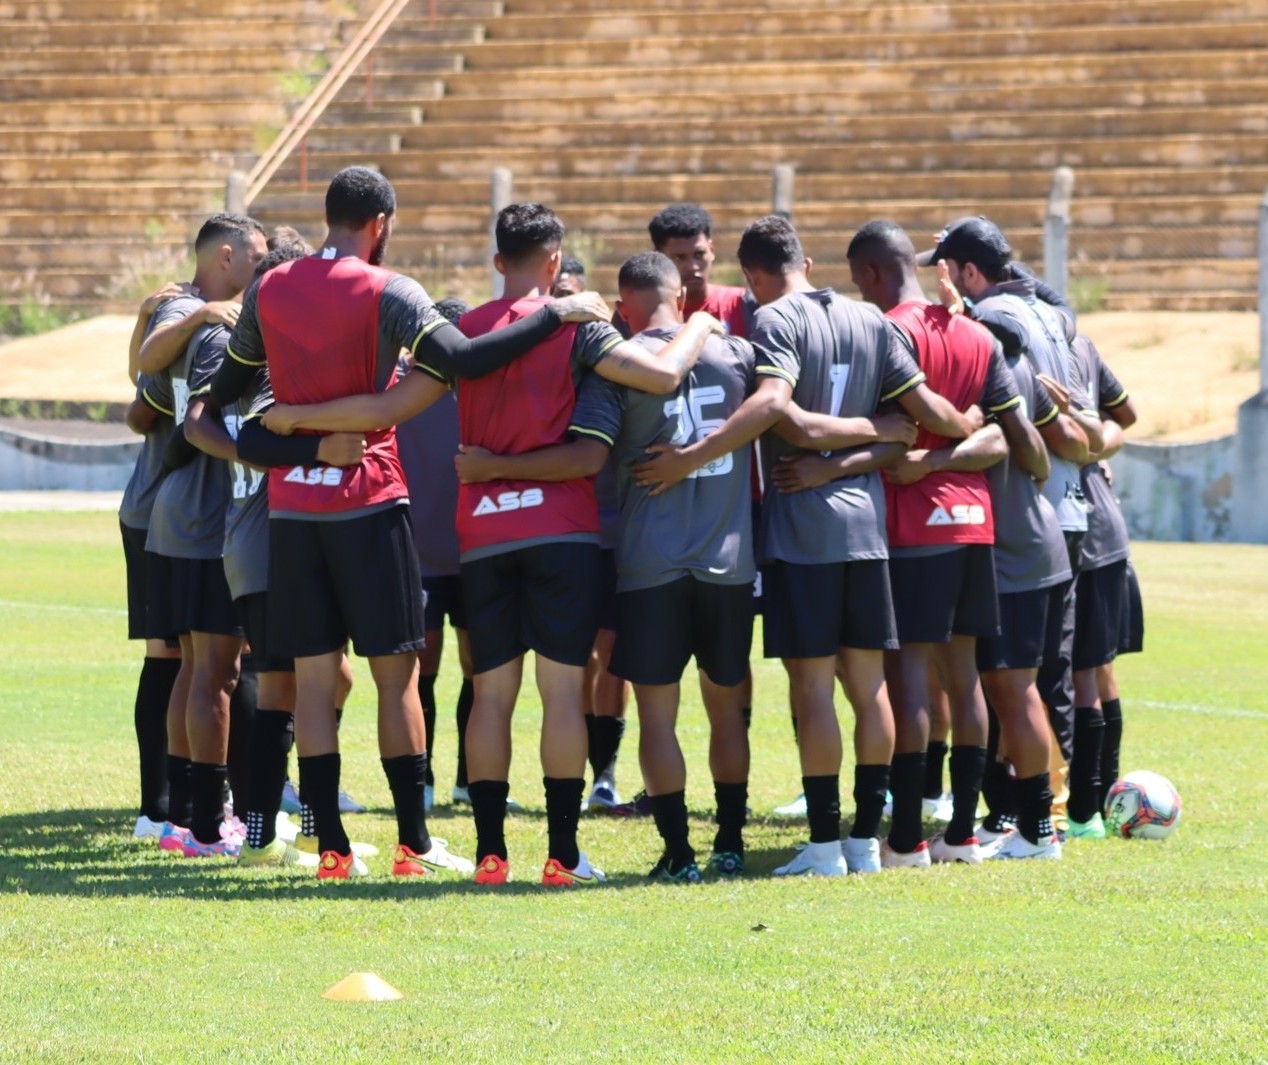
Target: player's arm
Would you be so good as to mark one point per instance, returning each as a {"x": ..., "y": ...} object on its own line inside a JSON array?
[
  {"x": 626, "y": 363},
  {"x": 796, "y": 473},
  {"x": 361, "y": 413},
  {"x": 1115, "y": 402},
  {"x": 146, "y": 312},
  {"x": 671, "y": 464},
  {"x": 1065, "y": 435},
  {"x": 257, "y": 446},
  {"x": 1113, "y": 438},
  {"x": 140, "y": 417},
  {"x": 1026, "y": 444},
  {"x": 205, "y": 429},
  {"x": 165, "y": 345},
  {"x": 823, "y": 432},
  {"x": 903, "y": 381},
  {"x": 583, "y": 456},
  {"x": 980, "y": 451}
]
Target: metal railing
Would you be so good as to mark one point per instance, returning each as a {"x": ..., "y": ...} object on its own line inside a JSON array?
[{"x": 295, "y": 132}]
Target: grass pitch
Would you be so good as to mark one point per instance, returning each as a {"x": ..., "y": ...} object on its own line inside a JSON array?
[{"x": 1124, "y": 952}]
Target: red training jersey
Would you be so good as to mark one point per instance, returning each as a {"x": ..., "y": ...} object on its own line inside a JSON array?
[
  {"x": 522, "y": 407},
  {"x": 726, "y": 304},
  {"x": 947, "y": 507}
]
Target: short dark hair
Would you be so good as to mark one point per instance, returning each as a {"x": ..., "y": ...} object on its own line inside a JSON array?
[
  {"x": 771, "y": 245},
  {"x": 283, "y": 253},
  {"x": 287, "y": 237},
  {"x": 357, "y": 195},
  {"x": 648, "y": 270},
  {"x": 883, "y": 244},
  {"x": 451, "y": 308},
  {"x": 226, "y": 228},
  {"x": 527, "y": 229},
  {"x": 679, "y": 220},
  {"x": 572, "y": 266}
]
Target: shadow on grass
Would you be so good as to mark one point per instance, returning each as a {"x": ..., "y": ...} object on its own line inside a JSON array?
[{"x": 91, "y": 853}]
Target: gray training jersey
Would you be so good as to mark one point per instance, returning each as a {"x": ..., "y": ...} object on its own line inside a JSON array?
[
  {"x": 188, "y": 520},
  {"x": 702, "y": 527},
  {"x": 154, "y": 390},
  {"x": 427, "y": 444},
  {"x": 1049, "y": 354},
  {"x": 842, "y": 358},
  {"x": 246, "y": 547},
  {"x": 1106, "y": 540},
  {"x": 1030, "y": 551}
]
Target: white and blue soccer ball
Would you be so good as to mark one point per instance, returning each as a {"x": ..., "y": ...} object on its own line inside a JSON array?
[{"x": 1142, "y": 805}]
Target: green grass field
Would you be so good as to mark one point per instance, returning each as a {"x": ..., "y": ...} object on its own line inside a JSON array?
[{"x": 1124, "y": 952}]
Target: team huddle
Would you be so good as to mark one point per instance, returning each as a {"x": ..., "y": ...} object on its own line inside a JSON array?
[{"x": 912, "y": 496}]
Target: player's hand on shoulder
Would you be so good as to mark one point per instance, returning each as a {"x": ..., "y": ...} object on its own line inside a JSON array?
[
  {"x": 223, "y": 312},
  {"x": 797, "y": 473},
  {"x": 705, "y": 318},
  {"x": 1058, "y": 393},
  {"x": 159, "y": 296},
  {"x": 910, "y": 469},
  {"x": 341, "y": 449},
  {"x": 582, "y": 307},
  {"x": 474, "y": 464},
  {"x": 895, "y": 429},
  {"x": 948, "y": 295},
  {"x": 666, "y": 466},
  {"x": 281, "y": 419}
]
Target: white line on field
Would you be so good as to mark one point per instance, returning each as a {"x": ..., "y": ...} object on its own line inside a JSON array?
[
  {"x": 71, "y": 607},
  {"x": 1213, "y": 711}
]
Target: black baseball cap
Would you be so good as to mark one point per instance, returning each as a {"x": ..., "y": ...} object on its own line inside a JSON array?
[{"x": 975, "y": 240}]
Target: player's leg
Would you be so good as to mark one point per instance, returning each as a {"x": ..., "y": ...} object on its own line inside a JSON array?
[
  {"x": 179, "y": 808},
  {"x": 429, "y": 657},
  {"x": 907, "y": 685},
  {"x": 606, "y": 695},
  {"x": 462, "y": 710},
  {"x": 939, "y": 733},
  {"x": 1111, "y": 745},
  {"x": 320, "y": 766},
  {"x": 216, "y": 658}
]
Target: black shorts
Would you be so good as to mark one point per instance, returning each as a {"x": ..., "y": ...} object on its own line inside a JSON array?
[
  {"x": 331, "y": 581},
  {"x": 142, "y": 569},
  {"x": 1025, "y": 619},
  {"x": 814, "y": 611},
  {"x": 1098, "y": 614},
  {"x": 199, "y": 596},
  {"x": 543, "y": 598},
  {"x": 253, "y": 612},
  {"x": 950, "y": 593},
  {"x": 607, "y": 589},
  {"x": 1131, "y": 636},
  {"x": 659, "y": 629},
  {"x": 442, "y": 598}
]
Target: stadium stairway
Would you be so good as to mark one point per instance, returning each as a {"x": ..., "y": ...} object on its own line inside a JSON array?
[{"x": 919, "y": 111}]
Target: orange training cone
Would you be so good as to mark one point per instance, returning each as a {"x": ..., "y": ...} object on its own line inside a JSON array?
[{"x": 363, "y": 987}]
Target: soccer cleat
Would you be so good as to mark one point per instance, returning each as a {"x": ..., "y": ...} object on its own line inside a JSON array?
[
  {"x": 493, "y": 870},
  {"x": 1018, "y": 846},
  {"x": 147, "y": 829},
  {"x": 308, "y": 845},
  {"x": 429, "y": 798},
  {"x": 986, "y": 835},
  {"x": 861, "y": 855},
  {"x": 349, "y": 805},
  {"x": 816, "y": 859},
  {"x": 406, "y": 862},
  {"x": 664, "y": 872},
  {"x": 726, "y": 863},
  {"x": 1093, "y": 829},
  {"x": 286, "y": 829},
  {"x": 583, "y": 874},
  {"x": 276, "y": 853},
  {"x": 290, "y": 799},
  {"x": 970, "y": 852},
  {"x": 639, "y": 806},
  {"x": 603, "y": 796},
  {"x": 939, "y": 809},
  {"x": 796, "y": 808},
  {"x": 916, "y": 859},
  {"x": 225, "y": 847},
  {"x": 336, "y": 866},
  {"x": 172, "y": 838},
  {"x": 462, "y": 797}
]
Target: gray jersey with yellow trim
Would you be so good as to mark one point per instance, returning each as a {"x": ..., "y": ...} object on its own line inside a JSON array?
[
  {"x": 842, "y": 358},
  {"x": 703, "y": 526},
  {"x": 246, "y": 547},
  {"x": 427, "y": 444},
  {"x": 188, "y": 520},
  {"x": 1030, "y": 551},
  {"x": 1106, "y": 541}
]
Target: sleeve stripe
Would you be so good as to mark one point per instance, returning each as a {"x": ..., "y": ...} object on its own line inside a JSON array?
[
  {"x": 145, "y": 393},
  {"x": 1051, "y": 415},
  {"x": 1121, "y": 399},
  {"x": 245, "y": 362},
  {"x": 582, "y": 431},
  {"x": 426, "y": 331},
  {"x": 204, "y": 391},
  {"x": 608, "y": 345},
  {"x": 1014, "y": 402},
  {"x": 422, "y": 367},
  {"x": 906, "y": 386},
  {"x": 775, "y": 371},
  {"x": 1091, "y": 413}
]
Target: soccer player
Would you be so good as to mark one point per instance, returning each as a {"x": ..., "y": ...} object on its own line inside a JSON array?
[
  {"x": 941, "y": 561},
  {"x": 341, "y": 558},
  {"x": 529, "y": 549},
  {"x": 684, "y": 233},
  {"x": 571, "y": 279},
  {"x": 827, "y": 363},
  {"x": 684, "y": 562},
  {"x": 187, "y": 534}
]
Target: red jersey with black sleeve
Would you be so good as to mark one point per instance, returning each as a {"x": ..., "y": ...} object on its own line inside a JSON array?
[
  {"x": 523, "y": 407},
  {"x": 963, "y": 363},
  {"x": 729, "y": 304},
  {"x": 330, "y": 328}
]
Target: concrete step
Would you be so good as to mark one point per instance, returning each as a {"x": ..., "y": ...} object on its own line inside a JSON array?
[
  {"x": 49, "y": 86},
  {"x": 97, "y": 224},
  {"x": 115, "y": 195},
  {"x": 255, "y": 32},
  {"x": 138, "y": 139},
  {"x": 275, "y": 58},
  {"x": 135, "y": 10},
  {"x": 107, "y": 166},
  {"x": 119, "y": 112},
  {"x": 902, "y": 12}
]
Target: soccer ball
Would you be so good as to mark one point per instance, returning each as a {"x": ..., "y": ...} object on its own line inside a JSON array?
[{"x": 1142, "y": 805}]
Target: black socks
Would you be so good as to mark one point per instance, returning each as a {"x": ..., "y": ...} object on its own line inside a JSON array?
[
  {"x": 670, "y": 813},
  {"x": 870, "y": 784},
  {"x": 732, "y": 816},
  {"x": 935, "y": 758},
  {"x": 179, "y": 806},
  {"x": 207, "y": 788},
  {"x": 427, "y": 696},
  {"x": 563, "y": 811},
  {"x": 1112, "y": 741},
  {"x": 488, "y": 806},
  {"x": 968, "y": 765},
  {"x": 272, "y": 736},
  {"x": 466, "y": 697},
  {"x": 407, "y": 776},
  {"x": 149, "y": 716},
  {"x": 242, "y": 706},
  {"x": 1085, "y": 766},
  {"x": 1034, "y": 807},
  {"x": 604, "y": 734},
  {"x": 319, "y": 786},
  {"x": 906, "y": 783},
  {"x": 823, "y": 807}
]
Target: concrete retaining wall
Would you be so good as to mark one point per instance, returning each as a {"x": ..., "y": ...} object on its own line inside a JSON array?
[
  {"x": 41, "y": 459},
  {"x": 1176, "y": 491}
]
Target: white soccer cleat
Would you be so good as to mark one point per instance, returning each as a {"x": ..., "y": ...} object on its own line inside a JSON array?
[
  {"x": 861, "y": 855},
  {"x": 987, "y": 836},
  {"x": 1016, "y": 845},
  {"x": 440, "y": 858},
  {"x": 917, "y": 859},
  {"x": 816, "y": 859},
  {"x": 939, "y": 809},
  {"x": 970, "y": 852},
  {"x": 603, "y": 796},
  {"x": 796, "y": 808},
  {"x": 285, "y": 829},
  {"x": 147, "y": 829}
]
